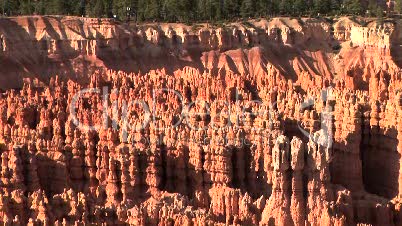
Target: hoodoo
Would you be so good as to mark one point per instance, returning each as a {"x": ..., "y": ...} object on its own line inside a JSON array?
[{"x": 265, "y": 122}]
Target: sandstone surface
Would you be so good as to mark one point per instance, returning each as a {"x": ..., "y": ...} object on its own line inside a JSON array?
[{"x": 267, "y": 122}]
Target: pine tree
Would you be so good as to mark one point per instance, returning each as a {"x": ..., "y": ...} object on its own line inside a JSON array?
[
  {"x": 275, "y": 6},
  {"x": 286, "y": 7},
  {"x": 188, "y": 6},
  {"x": 263, "y": 7},
  {"x": 322, "y": 6},
  {"x": 125, "y": 9},
  {"x": 109, "y": 8},
  {"x": 151, "y": 10},
  {"x": 133, "y": 6},
  {"x": 211, "y": 9},
  {"x": 218, "y": 9},
  {"x": 99, "y": 9},
  {"x": 230, "y": 9},
  {"x": 170, "y": 8},
  {"x": 61, "y": 7},
  {"x": 335, "y": 6},
  {"x": 299, "y": 7},
  {"x": 353, "y": 7},
  {"x": 120, "y": 8},
  {"x": 188, "y": 10},
  {"x": 40, "y": 7},
  {"x": 82, "y": 8},
  {"x": 204, "y": 9},
  {"x": 9, "y": 7},
  {"x": 26, "y": 7},
  {"x": 141, "y": 10},
  {"x": 177, "y": 10},
  {"x": 247, "y": 8},
  {"x": 76, "y": 7}
]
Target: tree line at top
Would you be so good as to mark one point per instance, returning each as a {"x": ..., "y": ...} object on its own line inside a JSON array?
[{"x": 193, "y": 10}]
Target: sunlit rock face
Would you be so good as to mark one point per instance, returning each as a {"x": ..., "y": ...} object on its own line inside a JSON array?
[{"x": 279, "y": 122}]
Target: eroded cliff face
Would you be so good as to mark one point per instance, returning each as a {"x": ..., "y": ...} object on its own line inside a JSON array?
[{"x": 280, "y": 122}]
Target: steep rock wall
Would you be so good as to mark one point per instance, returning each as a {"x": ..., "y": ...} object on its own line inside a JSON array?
[{"x": 285, "y": 122}]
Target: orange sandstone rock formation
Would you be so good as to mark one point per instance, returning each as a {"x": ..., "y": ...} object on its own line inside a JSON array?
[{"x": 279, "y": 122}]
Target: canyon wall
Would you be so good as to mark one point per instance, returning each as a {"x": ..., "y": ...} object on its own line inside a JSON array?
[{"x": 266, "y": 122}]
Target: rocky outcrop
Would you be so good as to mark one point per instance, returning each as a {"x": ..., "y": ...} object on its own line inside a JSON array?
[{"x": 279, "y": 122}]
